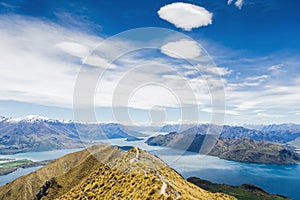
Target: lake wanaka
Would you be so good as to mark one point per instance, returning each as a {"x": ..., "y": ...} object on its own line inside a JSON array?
[{"x": 278, "y": 179}]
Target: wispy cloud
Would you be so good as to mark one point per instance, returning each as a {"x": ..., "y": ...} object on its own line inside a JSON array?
[
  {"x": 219, "y": 71},
  {"x": 39, "y": 60},
  {"x": 238, "y": 3},
  {"x": 43, "y": 70},
  {"x": 275, "y": 67},
  {"x": 8, "y": 6}
]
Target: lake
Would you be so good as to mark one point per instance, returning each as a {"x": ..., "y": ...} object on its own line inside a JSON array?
[{"x": 279, "y": 179}]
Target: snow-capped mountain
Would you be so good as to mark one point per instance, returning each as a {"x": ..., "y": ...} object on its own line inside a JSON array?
[
  {"x": 36, "y": 133},
  {"x": 31, "y": 119}
]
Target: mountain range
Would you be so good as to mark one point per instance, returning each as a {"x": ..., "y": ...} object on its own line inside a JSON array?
[
  {"x": 238, "y": 149},
  {"x": 281, "y": 133},
  {"x": 35, "y": 133}
]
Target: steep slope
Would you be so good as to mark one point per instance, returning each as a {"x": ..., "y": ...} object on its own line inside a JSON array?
[
  {"x": 137, "y": 175},
  {"x": 26, "y": 187},
  {"x": 66, "y": 181},
  {"x": 242, "y": 192},
  {"x": 245, "y": 150}
]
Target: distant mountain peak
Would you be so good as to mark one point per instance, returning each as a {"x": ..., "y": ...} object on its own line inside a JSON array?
[
  {"x": 35, "y": 118},
  {"x": 31, "y": 119}
]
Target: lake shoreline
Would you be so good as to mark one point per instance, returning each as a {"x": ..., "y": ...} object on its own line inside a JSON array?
[
  {"x": 266, "y": 176},
  {"x": 13, "y": 165}
]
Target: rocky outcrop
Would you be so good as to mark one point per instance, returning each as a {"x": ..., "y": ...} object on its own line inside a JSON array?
[{"x": 44, "y": 188}]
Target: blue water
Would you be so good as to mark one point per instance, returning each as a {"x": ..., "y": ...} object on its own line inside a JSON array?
[
  {"x": 19, "y": 172},
  {"x": 279, "y": 179},
  {"x": 34, "y": 156},
  {"x": 41, "y": 155}
]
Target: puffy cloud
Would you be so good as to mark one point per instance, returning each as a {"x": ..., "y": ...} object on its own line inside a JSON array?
[
  {"x": 186, "y": 16},
  {"x": 182, "y": 49}
]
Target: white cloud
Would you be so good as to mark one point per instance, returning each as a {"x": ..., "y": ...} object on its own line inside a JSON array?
[
  {"x": 185, "y": 16},
  {"x": 8, "y": 6},
  {"x": 97, "y": 61},
  {"x": 210, "y": 70},
  {"x": 275, "y": 67},
  {"x": 156, "y": 84},
  {"x": 36, "y": 65},
  {"x": 182, "y": 49},
  {"x": 251, "y": 81},
  {"x": 238, "y": 3},
  {"x": 229, "y": 2},
  {"x": 257, "y": 78},
  {"x": 220, "y": 71},
  {"x": 40, "y": 70},
  {"x": 74, "y": 49},
  {"x": 259, "y": 105},
  {"x": 43, "y": 70},
  {"x": 149, "y": 96}
]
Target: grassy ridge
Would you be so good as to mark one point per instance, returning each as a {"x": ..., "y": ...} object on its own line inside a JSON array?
[
  {"x": 111, "y": 174},
  {"x": 26, "y": 187},
  {"x": 137, "y": 176}
]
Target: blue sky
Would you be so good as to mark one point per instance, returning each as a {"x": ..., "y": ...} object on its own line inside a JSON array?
[{"x": 255, "y": 46}]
